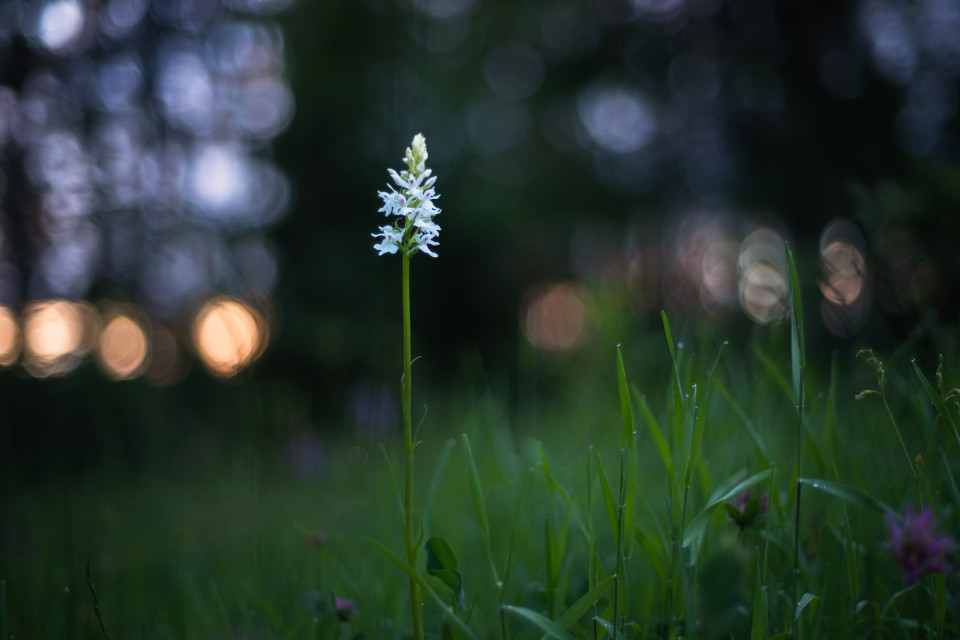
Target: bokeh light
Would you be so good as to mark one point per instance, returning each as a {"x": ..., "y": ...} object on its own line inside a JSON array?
[
  {"x": 228, "y": 335},
  {"x": 56, "y": 334},
  {"x": 843, "y": 283},
  {"x": 554, "y": 316},
  {"x": 763, "y": 281},
  {"x": 9, "y": 337},
  {"x": 122, "y": 349}
]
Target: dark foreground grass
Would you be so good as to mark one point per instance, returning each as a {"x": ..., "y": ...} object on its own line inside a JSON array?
[{"x": 701, "y": 545}]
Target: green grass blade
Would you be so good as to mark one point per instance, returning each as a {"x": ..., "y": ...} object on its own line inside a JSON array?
[
  {"x": 847, "y": 493},
  {"x": 940, "y": 601},
  {"x": 479, "y": 506},
  {"x": 630, "y": 501},
  {"x": 655, "y": 432},
  {"x": 42, "y": 633},
  {"x": 551, "y": 480},
  {"x": 758, "y": 622},
  {"x": 651, "y": 545},
  {"x": 626, "y": 411},
  {"x": 807, "y": 600},
  {"x": 548, "y": 626},
  {"x": 796, "y": 326},
  {"x": 699, "y": 522},
  {"x": 437, "y": 471},
  {"x": 608, "y": 498},
  {"x": 773, "y": 371},
  {"x": 849, "y": 547},
  {"x": 700, "y": 417},
  {"x": 737, "y": 409},
  {"x": 677, "y": 386},
  {"x": 4, "y": 632},
  {"x": 937, "y": 401},
  {"x": 579, "y": 608},
  {"x": 416, "y": 577}
]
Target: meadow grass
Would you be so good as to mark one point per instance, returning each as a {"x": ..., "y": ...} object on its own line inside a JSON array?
[{"x": 533, "y": 520}]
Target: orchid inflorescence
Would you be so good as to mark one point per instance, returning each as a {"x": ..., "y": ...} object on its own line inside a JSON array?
[{"x": 414, "y": 229}]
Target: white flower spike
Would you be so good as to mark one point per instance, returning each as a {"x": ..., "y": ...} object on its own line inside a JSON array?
[{"x": 414, "y": 229}]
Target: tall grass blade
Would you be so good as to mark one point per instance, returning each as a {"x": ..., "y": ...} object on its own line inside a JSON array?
[
  {"x": 656, "y": 433},
  {"x": 418, "y": 579},
  {"x": 630, "y": 501},
  {"x": 4, "y": 627},
  {"x": 773, "y": 371},
  {"x": 847, "y": 493},
  {"x": 758, "y": 622},
  {"x": 45, "y": 627},
  {"x": 937, "y": 401},
  {"x": 677, "y": 386},
  {"x": 650, "y": 543},
  {"x": 626, "y": 410},
  {"x": 797, "y": 358},
  {"x": 608, "y": 498},
  {"x": 479, "y": 506},
  {"x": 548, "y": 626},
  {"x": 807, "y": 600},
  {"x": 579, "y": 608},
  {"x": 700, "y": 417},
  {"x": 737, "y": 409}
]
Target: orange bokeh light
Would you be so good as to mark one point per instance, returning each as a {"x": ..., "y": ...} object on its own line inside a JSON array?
[
  {"x": 553, "y": 316},
  {"x": 55, "y": 335},
  {"x": 9, "y": 337},
  {"x": 228, "y": 335},
  {"x": 123, "y": 348}
]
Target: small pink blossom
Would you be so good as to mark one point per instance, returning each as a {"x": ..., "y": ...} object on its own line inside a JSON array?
[{"x": 917, "y": 546}]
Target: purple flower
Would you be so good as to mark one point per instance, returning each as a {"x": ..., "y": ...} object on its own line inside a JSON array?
[
  {"x": 917, "y": 547},
  {"x": 346, "y": 609}
]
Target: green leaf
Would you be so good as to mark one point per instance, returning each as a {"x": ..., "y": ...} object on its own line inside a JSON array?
[
  {"x": 937, "y": 401},
  {"x": 847, "y": 493},
  {"x": 440, "y": 555},
  {"x": 442, "y": 564},
  {"x": 626, "y": 411},
  {"x": 608, "y": 627},
  {"x": 546, "y": 625},
  {"x": 699, "y": 522},
  {"x": 758, "y": 625},
  {"x": 417, "y": 578},
  {"x": 42, "y": 633},
  {"x": 807, "y": 599}
]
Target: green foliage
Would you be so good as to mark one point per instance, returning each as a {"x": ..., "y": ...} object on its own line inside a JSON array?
[{"x": 541, "y": 537}]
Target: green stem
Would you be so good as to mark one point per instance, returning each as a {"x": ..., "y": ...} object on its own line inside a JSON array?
[
  {"x": 796, "y": 516},
  {"x": 914, "y": 470},
  {"x": 416, "y": 602}
]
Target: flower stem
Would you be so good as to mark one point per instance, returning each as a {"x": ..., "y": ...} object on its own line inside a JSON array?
[{"x": 416, "y": 603}]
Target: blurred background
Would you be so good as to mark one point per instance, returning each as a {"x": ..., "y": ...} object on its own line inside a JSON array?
[{"x": 188, "y": 188}]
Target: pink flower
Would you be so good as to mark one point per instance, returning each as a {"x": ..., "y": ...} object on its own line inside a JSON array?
[
  {"x": 346, "y": 609},
  {"x": 917, "y": 547}
]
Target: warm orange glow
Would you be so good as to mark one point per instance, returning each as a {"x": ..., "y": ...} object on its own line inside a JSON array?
[
  {"x": 553, "y": 316},
  {"x": 55, "y": 335},
  {"x": 763, "y": 283},
  {"x": 228, "y": 335},
  {"x": 844, "y": 273},
  {"x": 9, "y": 337},
  {"x": 763, "y": 293},
  {"x": 123, "y": 347}
]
